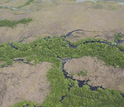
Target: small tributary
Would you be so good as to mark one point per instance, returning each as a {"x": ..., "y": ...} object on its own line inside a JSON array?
[{"x": 80, "y": 83}]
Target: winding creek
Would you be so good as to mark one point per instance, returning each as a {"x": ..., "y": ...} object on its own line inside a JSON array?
[{"x": 80, "y": 83}]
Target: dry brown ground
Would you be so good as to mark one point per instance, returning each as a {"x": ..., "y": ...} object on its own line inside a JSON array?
[
  {"x": 97, "y": 73},
  {"x": 63, "y": 17},
  {"x": 24, "y": 81}
]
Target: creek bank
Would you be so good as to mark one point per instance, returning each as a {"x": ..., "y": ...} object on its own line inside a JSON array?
[
  {"x": 74, "y": 47},
  {"x": 80, "y": 83}
]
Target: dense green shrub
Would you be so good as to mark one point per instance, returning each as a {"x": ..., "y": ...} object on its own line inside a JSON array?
[
  {"x": 49, "y": 50},
  {"x": 14, "y": 23},
  {"x": 117, "y": 37},
  {"x": 120, "y": 47}
]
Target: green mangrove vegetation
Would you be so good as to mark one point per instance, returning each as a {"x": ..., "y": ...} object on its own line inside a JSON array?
[
  {"x": 49, "y": 50},
  {"x": 120, "y": 47},
  {"x": 117, "y": 37},
  {"x": 14, "y": 23}
]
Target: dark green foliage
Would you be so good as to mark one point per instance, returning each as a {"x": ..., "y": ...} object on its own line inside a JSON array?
[
  {"x": 48, "y": 50},
  {"x": 85, "y": 97},
  {"x": 24, "y": 20},
  {"x": 13, "y": 24},
  {"x": 120, "y": 47},
  {"x": 24, "y": 103},
  {"x": 118, "y": 37}
]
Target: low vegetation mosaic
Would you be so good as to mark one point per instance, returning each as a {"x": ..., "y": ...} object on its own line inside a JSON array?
[{"x": 49, "y": 50}]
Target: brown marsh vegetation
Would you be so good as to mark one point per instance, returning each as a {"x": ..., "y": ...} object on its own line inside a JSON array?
[{"x": 26, "y": 81}]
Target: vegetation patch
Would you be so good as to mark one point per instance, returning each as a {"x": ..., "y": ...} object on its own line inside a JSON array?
[
  {"x": 13, "y": 24},
  {"x": 83, "y": 73},
  {"x": 118, "y": 37},
  {"x": 48, "y": 50}
]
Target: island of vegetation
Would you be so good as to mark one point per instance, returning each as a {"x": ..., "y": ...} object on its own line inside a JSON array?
[{"x": 48, "y": 50}]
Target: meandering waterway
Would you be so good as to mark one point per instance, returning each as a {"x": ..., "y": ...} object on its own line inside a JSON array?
[{"x": 80, "y": 83}]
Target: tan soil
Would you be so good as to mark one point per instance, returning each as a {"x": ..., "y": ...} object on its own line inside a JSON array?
[
  {"x": 24, "y": 81},
  {"x": 97, "y": 73},
  {"x": 62, "y": 17}
]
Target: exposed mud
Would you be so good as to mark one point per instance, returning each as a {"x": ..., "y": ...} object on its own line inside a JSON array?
[{"x": 97, "y": 73}]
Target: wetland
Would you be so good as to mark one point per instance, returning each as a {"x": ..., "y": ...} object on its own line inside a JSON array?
[{"x": 68, "y": 56}]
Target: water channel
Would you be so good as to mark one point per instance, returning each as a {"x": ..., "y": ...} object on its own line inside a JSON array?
[{"x": 80, "y": 83}]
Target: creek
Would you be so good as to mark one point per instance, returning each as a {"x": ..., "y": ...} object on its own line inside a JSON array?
[{"x": 80, "y": 83}]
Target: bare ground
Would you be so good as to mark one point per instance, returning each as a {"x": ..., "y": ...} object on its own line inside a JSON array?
[
  {"x": 24, "y": 82},
  {"x": 58, "y": 19}
]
